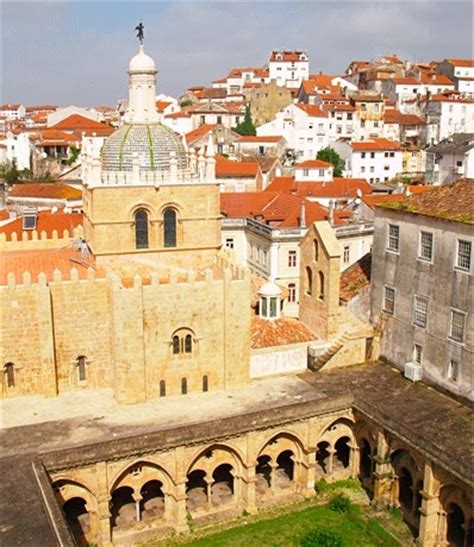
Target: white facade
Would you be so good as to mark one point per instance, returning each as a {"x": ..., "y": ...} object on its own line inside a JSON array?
[
  {"x": 12, "y": 112},
  {"x": 278, "y": 360},
  {"x": 18, "y": 149},
  {"x": 308, "y": 173},
  {"x": 449, "y": 116},
  {"x": 342, "y": 122},
  {"x": 305, "y": 129},
  {"x": 375, "y": 165},
  {"x": 289, "y": 69},
  {"x": 63, "y": 113},
  {"x": 179, "y": 122}
]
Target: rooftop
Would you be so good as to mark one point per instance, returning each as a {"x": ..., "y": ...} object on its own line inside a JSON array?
[
  {"x": 395, "y": 116},
  {"x": 338, "y": 188},
  {"x": 314, "y": 164},
  {"x": 375, "y": 144},
  {"x": 46, "y": 221},
  {"x": 278, "y": 332},
  {"x": 453, "y": 202},
  {"x": 80, "y": 124},
  {"x": 235, "y": 169},
  {"x": 45, "y": 190},
  {"x": 355, "y": 278}
]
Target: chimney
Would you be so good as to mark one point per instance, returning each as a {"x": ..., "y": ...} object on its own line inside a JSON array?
[
  {"x": 302, "y": 214},
  {"x": 331, "y": 212}
]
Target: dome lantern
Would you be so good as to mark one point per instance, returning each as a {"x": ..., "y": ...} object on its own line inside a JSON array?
[{"x": 270, "y": 296}]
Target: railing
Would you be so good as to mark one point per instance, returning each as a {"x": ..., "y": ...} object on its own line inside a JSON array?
[{"x": 354, "y": 228}]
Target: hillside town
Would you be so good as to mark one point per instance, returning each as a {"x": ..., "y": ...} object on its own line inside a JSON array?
[{"x": 214, "y": 302}]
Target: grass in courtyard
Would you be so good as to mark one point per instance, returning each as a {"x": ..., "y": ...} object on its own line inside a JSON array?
[{"x": 290, "y": 529}]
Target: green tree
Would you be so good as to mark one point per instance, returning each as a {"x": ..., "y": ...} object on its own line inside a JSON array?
[
  {"x": 246, "y": 127},
  {"x": 12, "y": 174},
  {"x": 73, "y": 155},
  {"x": 186, "y": 102},
  {"x": 330, "y": 155}
]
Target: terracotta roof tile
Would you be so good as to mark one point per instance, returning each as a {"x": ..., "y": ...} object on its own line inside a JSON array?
[
  {"x": 45, "y": 190},
  {"x": 161, "y": 105},
  {"x": 312, "y": 110},
  {"x": 453, "y": 202},
  {"x": 467, "y": 63},
  {"x": 355, "y": 278},
  {"x": 288, "y": 56},
  {"x": 406, "y": 81},
  {"x": 395, "y": 116},
  {"x": 80, "y": 124},
  {"x": 376, "y": 144},
  {"x": 256, "y": 138},
  {"x": 279, "y": 332},
  {"x": 314, "y": 164},
  {"x": 46, "y": 222},
  {"x": 337, "y": 188},
  {"x": 199, "y": 132},
  {"x": 227, "y": 168}
]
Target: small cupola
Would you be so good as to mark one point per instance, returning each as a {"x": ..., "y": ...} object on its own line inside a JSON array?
[{"x": 270, "y": 296}]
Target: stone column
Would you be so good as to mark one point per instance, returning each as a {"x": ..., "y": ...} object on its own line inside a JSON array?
[
  {"x": 429, "y": 516},
  {"x": 272, "y": 476},
  {"x": 308, "y": 474},
  {"x": 208, "y": 492},
  {"x": 176, "y": 511},
  {"x": 383, "y": 474},
  {"x": 330, "y": 462},
  {"x": 354, "y": 459},
  {"x": 104, "y": 526},
  {"x": 248, "y": 487},
  {"x": 137, "y": 498}
]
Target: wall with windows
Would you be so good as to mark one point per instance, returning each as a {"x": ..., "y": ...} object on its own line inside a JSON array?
[
  {"x": 121, "y": 334},
  {"x": 110, "y": 222},
  {"x": 421, "y": 293}
]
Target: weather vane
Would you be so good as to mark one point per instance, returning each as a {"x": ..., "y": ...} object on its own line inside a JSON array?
[{"x": 140, "y": 32}]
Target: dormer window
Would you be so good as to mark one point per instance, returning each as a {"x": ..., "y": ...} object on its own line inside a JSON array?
[
  {"x": 29, "y": 221},
  {"x": 270, "y": 296}
]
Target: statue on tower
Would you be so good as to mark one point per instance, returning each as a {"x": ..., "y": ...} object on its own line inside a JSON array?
[{"x": 140, "y": 32}]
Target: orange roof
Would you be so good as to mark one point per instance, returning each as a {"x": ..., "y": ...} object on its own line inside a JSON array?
[
  {"x": 46, "y": 222},
  {"x": 45, "y": 190},
  {"x": 43, "y": 261},
  {"x": 406, "y": 81},
  {"x": 435, "y": 79},
  {"x": 10, "y": 106},
  {"x": 53, "y": 134},
  {"x": 256, "y": 138},
  {"x": 288, "y": 56},
  {"x": 340, "y": 107},
  {"x": 278, "y": 332},
  {"x": 161, "y": 105},
  {"x": 376, "y": 144},
  {"x": 374, "y": 200},
  {"x": 314, "y": 164},
  {"x": 337, "y": 188},
  {"x": 355, "y": 278},
  {"x": 462, "y": 62},
  {"x": 226, "y": 168},
  {"x": 395, "y": 116},
  {"x": 80, "y": 124},
  {"x": 199, "y": 132},
  {"x": 180, "y": 114},
  {"x": 275, "y": 209},
  {"x": 312, "y": 110},
  {"x": 417, "y": 188}
]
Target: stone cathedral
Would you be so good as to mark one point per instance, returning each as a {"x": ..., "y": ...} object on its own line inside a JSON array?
[{"x": 149, "y": 307}]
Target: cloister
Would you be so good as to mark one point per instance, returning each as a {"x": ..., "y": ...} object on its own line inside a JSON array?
[{"x": 129, "y": 499}]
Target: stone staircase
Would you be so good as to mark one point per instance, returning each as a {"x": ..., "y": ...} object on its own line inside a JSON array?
[{"x": 329, "y": 353}]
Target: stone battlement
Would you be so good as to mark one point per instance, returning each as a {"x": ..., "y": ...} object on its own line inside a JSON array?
[{"x": 28, "y": 240}]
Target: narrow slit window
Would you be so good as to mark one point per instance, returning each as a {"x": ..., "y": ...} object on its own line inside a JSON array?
[
  {"x": 184, "y": 386},
  {"x": 176, "y": 344},
  {"x": 188, "y": 344},
  {"x": 9, "y": 369},
  {"x": 141, "y": 229},
  {"x": 205, "y": 383},
  {"x": 81, "y": 368},
  {"x": 169, "y": 223},
  {"x": 162, "y": 388}
]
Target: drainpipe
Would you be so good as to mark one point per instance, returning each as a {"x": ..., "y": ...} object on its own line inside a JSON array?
[{"x": 303, "y": 214}]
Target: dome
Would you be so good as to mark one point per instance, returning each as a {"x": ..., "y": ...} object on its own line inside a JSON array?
[
  {"x": 269, "y": 289},
  {"x": 141, "y": 62},
  {"x": 152, "y": 143}
]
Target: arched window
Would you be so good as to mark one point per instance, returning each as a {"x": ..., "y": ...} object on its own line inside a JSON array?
[
  {"x": 176, "y": 344},
  {"x": 162, "y": 388},
  {"x": 9, "y": 370},
  {"x": 205, "y": 383},
  {"x": 316, "y": 249},
  {"x": 141, "y": 229},
  {"x": 321, "y": 286},
  {"x": 309, "y": 281},
  {"x": 188, "y": 344},
  {"x": 184, "y": 386},
  {"x": 182, "y": 342},
  {"x": 169, "y": 224},
  {"x": 81, "y": 367}
]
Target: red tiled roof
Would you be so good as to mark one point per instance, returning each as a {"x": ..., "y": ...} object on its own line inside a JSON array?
[
  {"x": 374, "y": 200},
  {"x": 417, "y": 188},
  {"x": 376, "y": 144},
  {"x": 161, "y": 105},
  {"x": 10, "y": 106},
  {"x": 43, "y": 261},
  {"x": 395, "y": 116},
  {"x": 199, "y": 132},
  {"x": 435, "y": 79},
  {"x": 467, "y": 63},
  {"x": 234, "y": 169},
  {"x": 338, "y": 188},
  {"x": 80, "y": 124},
  {"x": 406, "y": 81},
  {"x": 45, "y": 190},
  {"x": 278, "y": 332},
  {"x": 256, "y": 138},
  {"x": 312, "y": 110},
  {"x": 314, "y": 164},
  {"x": 453, "y": 202},
  {"x": 340, "y": 107},
  {"x": 287, "y": 56},
  {"x": 180, "y": 114},
  {"x": 355, "y": 278},
  {"x": 46, "y": 222}
]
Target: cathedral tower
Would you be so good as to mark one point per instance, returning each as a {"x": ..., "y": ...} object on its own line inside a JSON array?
[{"x": 147, "y": 196}]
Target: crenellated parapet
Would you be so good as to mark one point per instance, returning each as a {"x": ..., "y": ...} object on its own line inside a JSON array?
[{"x": 36, "y": 240}]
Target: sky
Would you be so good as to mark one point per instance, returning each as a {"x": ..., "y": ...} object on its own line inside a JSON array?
[{"x": 78, "y": 52}]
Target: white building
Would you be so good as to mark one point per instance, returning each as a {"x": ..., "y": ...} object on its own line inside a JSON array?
[
  {"x": 461, "y": 72},
  {"x": 240, "y": 78},
  {"x": 180, "y": 122},
  {"x": 288, "y": 68},
  {"x": 12, "y": 112},
  {"x": 376, "y": 160},
  {"x": 314, "y": 171},
  {"x": 17, "y": 149},
  {"x": 342, "y": 121},
  {"x": 64, "y": 113},
  {"x": 446, "y": 114},
  {"x": 304, "y": 126},
  {"x": 451, "y": 159}
]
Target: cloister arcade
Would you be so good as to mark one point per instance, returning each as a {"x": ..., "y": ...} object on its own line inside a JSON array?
[{"x": 121, "y": 499}]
